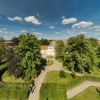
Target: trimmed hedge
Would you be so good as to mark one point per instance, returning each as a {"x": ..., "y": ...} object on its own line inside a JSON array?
[{"x": 15, "y": 91}]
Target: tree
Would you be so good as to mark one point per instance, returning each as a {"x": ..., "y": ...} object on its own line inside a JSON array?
[
  {"x": 94, "y": 42},
  {"x": 44, "y": 42},
  {"x": 29, "y": 48},
  {"x": 79, "y": 55},
  {"x": 59, "y": 48},
  {"x": 15, "y": 41},
  {"x": 98, "y": 51},
  {"x": 2, "y": 49}
]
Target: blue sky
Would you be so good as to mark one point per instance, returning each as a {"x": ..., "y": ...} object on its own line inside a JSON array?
[{"x": 55, "y": 19}]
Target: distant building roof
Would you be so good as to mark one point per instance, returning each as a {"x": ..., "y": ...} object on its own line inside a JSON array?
[
  {"x": 98, "y": 41},
  {"x": 44, "y": 47}
]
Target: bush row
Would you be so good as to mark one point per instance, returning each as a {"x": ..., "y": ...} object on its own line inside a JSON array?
[{"x": 15, "y": 91}]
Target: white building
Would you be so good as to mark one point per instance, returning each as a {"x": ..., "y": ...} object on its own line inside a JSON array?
[{"x": 47, "y": 51}]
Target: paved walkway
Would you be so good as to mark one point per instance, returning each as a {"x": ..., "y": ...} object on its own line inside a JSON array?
[
  {"x": 76, "y": 90},
  {"x": 39, "y": 80}
]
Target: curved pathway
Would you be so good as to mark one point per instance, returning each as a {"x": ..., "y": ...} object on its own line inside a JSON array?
[
  {"x": 39, "y": 80},
  {"x": 76, "y": 90}
]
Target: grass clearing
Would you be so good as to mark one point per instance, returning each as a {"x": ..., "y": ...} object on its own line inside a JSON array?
[
  {"x": 54, "y": 77},
  {"x": 92, "y": 93},
  {"x": 7, "y": 78},
  {"x": 54, "y": 87}
]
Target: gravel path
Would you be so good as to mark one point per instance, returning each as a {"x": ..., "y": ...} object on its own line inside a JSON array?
[
  {"x": 76, "y": 90},
  {"x": 39, "y": 80}
]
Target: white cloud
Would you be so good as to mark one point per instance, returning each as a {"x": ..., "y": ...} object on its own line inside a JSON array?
[
  {"x": 16, "y": 18},
  {"x": 63, "y": 17},
  {"x": 51, "y": 27},
  {"x": 66, "y": 21},
  {"x": 82, "y": 24},
  {"x": 32, "y": 19},
  {"x": 37, "y": 33},
  {"x": 83, "y": 32},
  {"x": 23, "y": 31}
]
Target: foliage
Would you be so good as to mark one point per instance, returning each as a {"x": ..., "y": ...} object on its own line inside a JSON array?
[
  {"x": 44, "y": 42},
  {"x": 14, "y": 91},
  {"x": 14, "y": 67},
  {"x": 12, "y": 79},
  {"x": 49, "y": 62},
  {"x": 62, "y": 74},
  {"x": 2, "y": 49},
  {"x": 79, "y": 55},
  {"x": 98, "y": 51},
  {"x": 94, "y": 42},
  {"x": 15, "y": 41},
  {"x": 29, "y": 49},
  {"x": 59, "y": 48}
]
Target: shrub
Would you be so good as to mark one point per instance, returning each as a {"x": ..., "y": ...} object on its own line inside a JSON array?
[
  {"x": 49, "y": 62},
  {"x": 73, "y": 74},
  {"x": 62, "y": 74}
]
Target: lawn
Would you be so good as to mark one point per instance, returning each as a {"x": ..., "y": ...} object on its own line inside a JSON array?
[
  {"x": 52, "y": 92},
  {"x": 7, "y": 78},
  {"x": 54, "y": 77},
  {"x": 92, "y": 93},
  {"x": 54, "y": 87}
]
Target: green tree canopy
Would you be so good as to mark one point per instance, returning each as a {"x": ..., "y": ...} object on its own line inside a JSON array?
[
  {"x": 94, "y": 42},
  {"x": 79, "y": 55},
  {"x": 44, "y": 42},
  {"x": 29, "y": 48},
  {"x": 2, "y": 49},
  {"x": 59, "y": 49}
]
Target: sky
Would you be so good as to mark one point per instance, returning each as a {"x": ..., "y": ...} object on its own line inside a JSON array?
[{"x": 51, "y": 19}]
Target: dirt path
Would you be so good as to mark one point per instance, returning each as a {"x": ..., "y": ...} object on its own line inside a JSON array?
[
  {"x": 76, "y": 90},
  {"x": 39, "y": 80}
]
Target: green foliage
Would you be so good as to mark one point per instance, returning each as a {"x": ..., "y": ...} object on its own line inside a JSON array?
[
  {"x": 14, "y": 91},
  {"x": 15, "y": 41},
  {"x": 29, "y": 49},
  {"x": 59, "y": 48},
  {"x": 94, "y": 42},
  {"x": 62, "y": 74},
  {"x": 79, "y": 55},
  {"x": 98, "y": 51},
  {"x": 49, "y": 62},
  {"x": 2, "y": 49},
  {"x": 44, "y": 42}
]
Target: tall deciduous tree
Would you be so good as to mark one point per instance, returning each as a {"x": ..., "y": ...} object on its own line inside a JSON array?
[
  {"x": 29, "y": 48},
  {"x": 79, "y": 55}
]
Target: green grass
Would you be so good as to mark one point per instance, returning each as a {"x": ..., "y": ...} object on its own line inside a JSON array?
[
  {"x": 7, "y": 78},
  {"x": 54, "y": 87},
  {"x": 52, "y": 92},
  {"x": 89, "y": 94},
  {"x": 54, "y": 77}
]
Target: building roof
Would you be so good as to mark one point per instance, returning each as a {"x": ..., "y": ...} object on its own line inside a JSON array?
[
  {"x": 98, "y": 41},
  {"x": 44, "y": 47}
]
